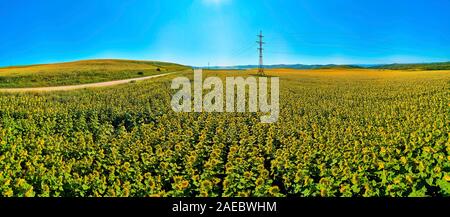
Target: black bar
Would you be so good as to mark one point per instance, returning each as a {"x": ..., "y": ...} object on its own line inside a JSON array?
[{"x": 166, "y": 206}]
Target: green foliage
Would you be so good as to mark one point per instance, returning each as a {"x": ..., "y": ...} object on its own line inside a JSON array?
[{"x": 337, "y": 136}]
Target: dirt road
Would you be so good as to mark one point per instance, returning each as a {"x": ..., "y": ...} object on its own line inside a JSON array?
[{"x": 80, "y": 86}]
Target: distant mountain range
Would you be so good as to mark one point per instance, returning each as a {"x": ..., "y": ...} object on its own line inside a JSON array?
[
  {"x": 415, "y": 66},
  {"x": 395, "y": 66},
  {"x": 289, "y": 66}
]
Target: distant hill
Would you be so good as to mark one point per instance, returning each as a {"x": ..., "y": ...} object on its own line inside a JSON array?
[
  {"x": 288, "y": 66},
  {"x": 81, "y": 72},
  {"x": 415, "y": 66},
  {"x": 396, "y": 66}
]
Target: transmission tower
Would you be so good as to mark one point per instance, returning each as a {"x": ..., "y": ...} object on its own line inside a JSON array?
[{"x": 260, "y": 49}]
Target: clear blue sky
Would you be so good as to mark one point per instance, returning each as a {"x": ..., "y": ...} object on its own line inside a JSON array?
[{"x": 223, "y": 32}]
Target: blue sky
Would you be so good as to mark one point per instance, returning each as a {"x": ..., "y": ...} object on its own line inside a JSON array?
[{"x": 223, "y": 32}]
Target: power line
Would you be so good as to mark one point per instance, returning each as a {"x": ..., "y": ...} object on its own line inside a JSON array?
[{"x": 245, "y": 50}]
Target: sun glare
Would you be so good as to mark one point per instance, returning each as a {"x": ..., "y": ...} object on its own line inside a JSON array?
[{"x": 215, "y": 2}]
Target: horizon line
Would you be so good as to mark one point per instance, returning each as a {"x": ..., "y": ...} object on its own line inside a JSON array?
[{"x": 194, "y": 66}]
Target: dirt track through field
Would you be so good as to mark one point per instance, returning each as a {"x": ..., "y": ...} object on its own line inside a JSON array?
[{"x": 81, "y": 86}]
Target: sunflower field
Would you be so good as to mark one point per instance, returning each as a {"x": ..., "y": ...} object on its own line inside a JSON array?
[{"x": 341, "y": 133}]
